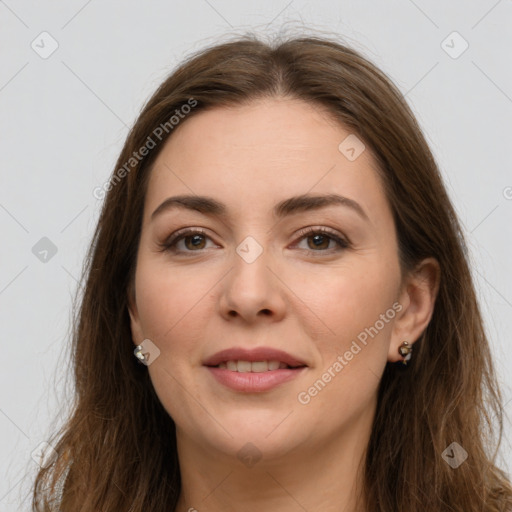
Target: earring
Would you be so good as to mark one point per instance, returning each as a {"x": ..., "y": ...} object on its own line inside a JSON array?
[
  {"x": 405, "y": 350},
  {"x": 139, "y": 354},
  {"x": 147, "y": 352}
]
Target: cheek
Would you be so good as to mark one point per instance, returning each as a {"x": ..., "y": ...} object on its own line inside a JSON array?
[
  {"x": 349, "y": 299},
  {"x": 355, "y": 306},
  {"x": 171, "y": 306},
  {"x": 353, "y": 353}
]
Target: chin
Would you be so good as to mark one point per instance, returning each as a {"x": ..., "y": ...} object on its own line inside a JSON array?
[{"x": 265, "y": 433}]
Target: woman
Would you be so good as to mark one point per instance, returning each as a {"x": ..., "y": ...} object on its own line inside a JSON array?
[{"x": 278, "y": 311}]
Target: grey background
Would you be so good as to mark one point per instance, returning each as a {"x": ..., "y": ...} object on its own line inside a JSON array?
[{"x": 64, "y": 119}]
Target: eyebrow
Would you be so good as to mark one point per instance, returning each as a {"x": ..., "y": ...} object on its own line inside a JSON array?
[{"x": 306, "y": 202}]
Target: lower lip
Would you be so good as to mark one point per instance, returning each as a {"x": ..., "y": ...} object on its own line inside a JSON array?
[{"x": 254, "y": 381}]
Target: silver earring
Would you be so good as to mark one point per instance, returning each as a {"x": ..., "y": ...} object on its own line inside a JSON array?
[
  {"x": 139, "y": 354},
  {"x": 146, "y": 352}
]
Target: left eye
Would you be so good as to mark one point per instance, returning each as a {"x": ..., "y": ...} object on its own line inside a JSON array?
[
  {"x": 321, "y": 239},
  {"x": 196, "y": 239}
]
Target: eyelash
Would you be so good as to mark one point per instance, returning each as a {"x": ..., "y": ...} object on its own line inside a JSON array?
[{"x": 170, "y": 244}]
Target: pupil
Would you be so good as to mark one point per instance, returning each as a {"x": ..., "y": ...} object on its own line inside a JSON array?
[
  {"x": 196, "y": 240},
  {"x": 318, "y": 238}
]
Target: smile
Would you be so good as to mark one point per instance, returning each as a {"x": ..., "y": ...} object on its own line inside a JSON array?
[{"x": 252, "y": 366}]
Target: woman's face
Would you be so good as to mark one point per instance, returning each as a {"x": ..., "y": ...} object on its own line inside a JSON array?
[{"x": 261, "y": 275}]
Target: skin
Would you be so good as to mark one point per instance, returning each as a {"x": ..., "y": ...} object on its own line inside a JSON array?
[{"x": 312, "y": 305}]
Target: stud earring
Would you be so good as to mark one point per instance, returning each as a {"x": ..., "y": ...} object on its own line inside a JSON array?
[
  {"x": 146, "y": 352},
  {"x": 405, "y": 350},
  {"x": 139, "y": 354}
]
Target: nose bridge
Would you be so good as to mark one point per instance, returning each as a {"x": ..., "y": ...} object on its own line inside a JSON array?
[
  {"x": 251, "y": 261},
  {"x": 250, "y": 250},
  {"x": 251, "y": 286}
]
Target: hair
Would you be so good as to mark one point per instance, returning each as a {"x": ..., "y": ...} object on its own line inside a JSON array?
[{"x": 117, "y": 449}]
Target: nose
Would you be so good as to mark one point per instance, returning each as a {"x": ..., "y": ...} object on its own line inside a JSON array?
[{"x": 252, "y": 290}]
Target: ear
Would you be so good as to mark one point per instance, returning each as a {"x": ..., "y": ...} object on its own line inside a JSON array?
[
  {"x": 135, "y": 326},
  {"x": 417, "y": 298}
]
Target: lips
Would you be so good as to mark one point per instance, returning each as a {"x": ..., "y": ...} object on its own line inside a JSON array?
[{"x": 254, "y": 355}]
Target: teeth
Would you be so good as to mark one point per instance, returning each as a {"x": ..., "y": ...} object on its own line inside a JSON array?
[
  {"x": 258, "y": 366},
  {"x": 243, "y": 366},
  {"x": 254, "y": 366},
  {"x": 273, "y": 365}
]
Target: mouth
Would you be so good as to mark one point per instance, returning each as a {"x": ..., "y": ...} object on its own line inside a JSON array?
[
  {"x": 242, "y": 366},
  {"x": 258, "y": 359},
  {"x": 256, "y": 370}
]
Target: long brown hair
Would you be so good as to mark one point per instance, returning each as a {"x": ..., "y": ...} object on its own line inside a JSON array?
[{"x": 117, "y": 450}]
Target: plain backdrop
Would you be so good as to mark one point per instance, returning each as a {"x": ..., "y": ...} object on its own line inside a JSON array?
[{"x": 73, "y": 77}]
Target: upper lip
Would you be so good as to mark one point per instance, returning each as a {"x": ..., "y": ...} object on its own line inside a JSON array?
[{"x": 255, "y": 354}]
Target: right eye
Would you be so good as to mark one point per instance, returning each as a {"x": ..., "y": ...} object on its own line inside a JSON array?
[{"x": 194, "y": 240}]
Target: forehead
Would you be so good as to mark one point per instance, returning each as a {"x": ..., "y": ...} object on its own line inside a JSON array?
[{"x": 254, "y": 155}]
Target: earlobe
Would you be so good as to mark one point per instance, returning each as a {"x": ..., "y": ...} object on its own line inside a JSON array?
[{"x": 418, "y": 297}]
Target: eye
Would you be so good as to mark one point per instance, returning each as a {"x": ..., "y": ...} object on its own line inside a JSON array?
[
  {"x": 320, "y": 238},
  {"x": 194, "y": 241}
]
